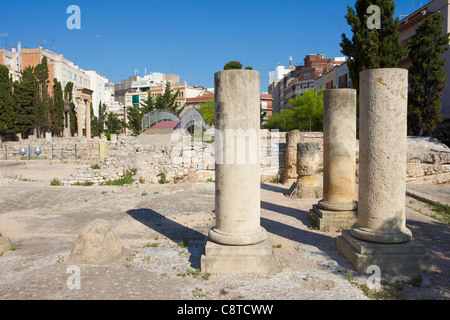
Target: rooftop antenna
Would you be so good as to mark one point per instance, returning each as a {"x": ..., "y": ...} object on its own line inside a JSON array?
[{"x": 290, "y": 61}]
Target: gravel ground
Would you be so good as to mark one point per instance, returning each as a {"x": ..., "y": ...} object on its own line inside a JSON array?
[{"x": 43, "y": 223}]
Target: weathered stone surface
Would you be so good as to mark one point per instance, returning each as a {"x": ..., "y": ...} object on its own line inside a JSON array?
[
  {"x": 255, "y": 258},
  {"x": 237, "y": 184},
  {"x": 410, "y": 256},
  {"x": 308, "y": 161},
  {"x": 292, "y": 139},
  {"x": 339, "y": 161},
  {"x": 4, "y": 244},
  {"x": 382, "y": 156},
  {"x": 98, "y": 243},
  {"x": 380, "y": 236}
]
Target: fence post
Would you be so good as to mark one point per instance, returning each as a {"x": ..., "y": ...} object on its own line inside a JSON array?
[
  {"x": 29, "y": 152},
  {"x": 6, "y": 152},
  {"x": 75, "y": 151}
]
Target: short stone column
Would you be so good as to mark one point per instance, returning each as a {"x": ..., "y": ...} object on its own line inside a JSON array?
[
  {"x": 338, "y": 208},
  {"x": 237, "y": 243},
  {"x": 290, "y": 174},
  {"x": 380, "y": 236},
  {"x": 308, "y": 162}
]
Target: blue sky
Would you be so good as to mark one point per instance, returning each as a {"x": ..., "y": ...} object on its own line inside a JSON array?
[{"x": 191, "y": 38}]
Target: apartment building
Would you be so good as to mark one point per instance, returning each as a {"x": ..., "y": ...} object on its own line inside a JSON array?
[
  {"x": 136, "y": 96},
  {"x": 407, "y": 30},
  {"x": 266, "y": 102},
  {"x": 302, "y": 78},
  {"x": 11, "y": 59}
]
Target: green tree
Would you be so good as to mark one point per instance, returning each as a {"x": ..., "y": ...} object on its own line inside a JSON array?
[
  {"x": 98, "y": 123},
  {"x": 7, "y": 116},
  {"x": 426, "y": 76},
  {"x": 167, "y": 100},
  {"x": 232, "y": 65},
  {"x": 24, "y": 100},
  {"x": 304, "y": 109},
  {"x": 370, "y": 47},
  {"x": 68, "y": 94},
  {"x": 136, "y": 112},
  {"x": 113, "y": 124},
  {"x": 134, "y": 116},
  {"x": 148, "y": 105},
  {"x": 42, "y": 105},
  {"x": 57, "y": 109},
  {"x": 207, "y": 111}
]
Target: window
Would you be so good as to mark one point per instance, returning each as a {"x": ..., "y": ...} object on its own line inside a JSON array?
[
  {"x": 135, "y": 99},
  {"x": 69, "y": 74},
  {"x": 307, "y": 75},
  {"x": 64, "y": 72}
]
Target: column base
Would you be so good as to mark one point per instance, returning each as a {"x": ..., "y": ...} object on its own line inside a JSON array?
[
  {"x": 410, "y": 256},
  {"x": 217, "y": 236},
  {"x": 255, "y": 258},
  {"x": 322, "y": 218}
]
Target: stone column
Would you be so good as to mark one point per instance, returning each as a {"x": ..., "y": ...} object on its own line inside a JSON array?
[
  {"x": 80, "y": 117},
  {"x": 237, "y": 243},
  {"x": 292, "y": 139},
  {"x": 338, "y": 208},
  {"x": 67, "y": 133},
  {"x": 380, "y": 236},
  {"x": 308, "y": 161},
  {"x": 88, "y": 120}
]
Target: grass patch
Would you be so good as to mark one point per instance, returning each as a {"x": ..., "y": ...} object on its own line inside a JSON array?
[
  {"x": 55, "y": 182},
  {"x": 276, "y": 179},
  {"x": 163, "y": 178},
  {"x": 85, "y": 184},
  {"x": 96, "y": 166},
  {"x": 127, "y": 178}
]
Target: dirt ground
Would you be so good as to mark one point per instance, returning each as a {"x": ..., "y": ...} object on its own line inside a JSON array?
[{"x": 164, "y": 228}]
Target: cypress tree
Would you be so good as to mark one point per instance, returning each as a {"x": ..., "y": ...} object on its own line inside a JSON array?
[
  {"x": 426, "y": 76},
  {"x": 42, "y": 107},
  {"x": 7, "y": 116},
  {"x": 371, "y": 48},
  {"x": 68, "y": 94},
  {"x": 57, "y": 110},
  {"x": 24, "y": 102}
]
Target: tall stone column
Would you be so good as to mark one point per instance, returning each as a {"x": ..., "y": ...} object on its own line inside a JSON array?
[
  {"x": 292, "y": 139},
  {"x": 237, "y": 243},
  {"x": 338, "y": 208},
  {"x": 80, "y": 117},
  {"x": 88, "y": 120},
  {"x": 380, "y": 236}
]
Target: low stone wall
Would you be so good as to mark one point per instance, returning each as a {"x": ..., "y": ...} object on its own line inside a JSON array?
[
  {"x": 428, "y": 161},
  {"x": 176, "y": 161}
]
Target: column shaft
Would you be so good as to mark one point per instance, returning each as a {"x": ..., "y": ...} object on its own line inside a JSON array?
[
  {"x": 382, "y": 156},
  {"x": 238, "y": 174},
  {"x": 339, "y": 150}
]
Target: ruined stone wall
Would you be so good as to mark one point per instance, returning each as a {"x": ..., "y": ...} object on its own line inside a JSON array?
[{"x": 196, "y": 161}]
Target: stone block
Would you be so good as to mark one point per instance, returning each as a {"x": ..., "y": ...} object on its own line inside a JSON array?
[
  {"x": 409, "y": 256},
  {"x": 255, "y": 258},
  {"x": 322, "y": 218}
]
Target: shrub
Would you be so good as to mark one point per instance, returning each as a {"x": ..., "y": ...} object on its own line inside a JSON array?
[{"x": 232, "y": 65}]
